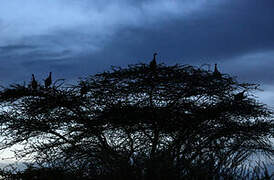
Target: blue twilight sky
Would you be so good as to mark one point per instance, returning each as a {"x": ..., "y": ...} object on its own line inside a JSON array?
[{"x": 75, "y": 38}]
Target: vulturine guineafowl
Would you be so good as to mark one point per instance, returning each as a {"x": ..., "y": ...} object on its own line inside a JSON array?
[
  {"x": 34, "y": 83},
  {"x": 48, "y": 81},
  {"x": 216, "y": 72},
  {"x": 153, "y": 63}
]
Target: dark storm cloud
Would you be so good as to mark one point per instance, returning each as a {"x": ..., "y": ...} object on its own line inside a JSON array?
[
  {"x": 12, "y": 50},
  {"x": 15, "y": 47},
  {"x": 230, "y": 31}
]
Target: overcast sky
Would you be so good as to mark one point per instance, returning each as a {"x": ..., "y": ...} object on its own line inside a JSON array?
[{"x": 76, "y": 38}]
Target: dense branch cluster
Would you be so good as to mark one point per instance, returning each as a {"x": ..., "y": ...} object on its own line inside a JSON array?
[{"x": 138, "y": 121}]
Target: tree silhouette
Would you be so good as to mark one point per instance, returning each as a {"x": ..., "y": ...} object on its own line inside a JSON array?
[{"x": 174, "y": 122}]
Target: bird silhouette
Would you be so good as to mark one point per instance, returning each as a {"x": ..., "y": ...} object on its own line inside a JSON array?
[
  {"x": 48, "y": 81},
  {"x": 153, "y": 63},
  {"x": 240, "y": 96},
  {"x": 216, "y": 72},
  {"x": 34, "y": 83}
]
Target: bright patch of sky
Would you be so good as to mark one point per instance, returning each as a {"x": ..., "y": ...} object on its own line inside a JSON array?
[{"x": 80, "y": 25}]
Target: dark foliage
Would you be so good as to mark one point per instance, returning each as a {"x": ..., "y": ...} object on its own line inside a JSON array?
[{"x": 169, "y": 122}]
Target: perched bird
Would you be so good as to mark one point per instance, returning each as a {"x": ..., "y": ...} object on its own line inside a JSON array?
[
  {"x": 216, "y": 72},
  {"x": 240, "y": 96},
  {"x": 48, "y": 81},
  {"x": 34, "y": 83},
  {"x": 153, "y": 63}
]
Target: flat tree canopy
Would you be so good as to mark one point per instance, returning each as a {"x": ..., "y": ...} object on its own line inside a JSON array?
[{"x": 166, "y": 121}]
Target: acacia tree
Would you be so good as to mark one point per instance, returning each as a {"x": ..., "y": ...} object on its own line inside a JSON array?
[{"x": 173, "y": 121}]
